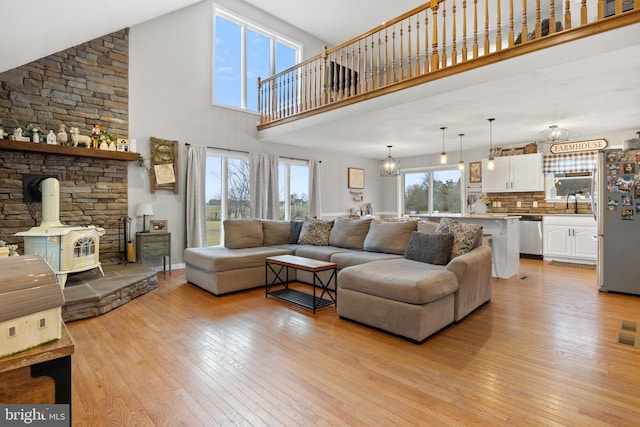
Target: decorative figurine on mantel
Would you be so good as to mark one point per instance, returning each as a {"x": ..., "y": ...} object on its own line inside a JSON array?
[
  {"x": 95, "y": 135},
  {"x": 62, "y": 134},
  {"x": 51, "y": 137},
  {"x": 82, "y": 140}
]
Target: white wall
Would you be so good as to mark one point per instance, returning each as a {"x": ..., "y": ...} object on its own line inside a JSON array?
[{"x": 170, "y": 77}]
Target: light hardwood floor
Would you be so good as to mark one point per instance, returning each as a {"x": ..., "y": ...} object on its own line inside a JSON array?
[{"x": 541, "y": 353}]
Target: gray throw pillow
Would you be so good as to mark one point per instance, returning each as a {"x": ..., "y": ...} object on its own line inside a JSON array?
[
  {"x": 349, "y": 233},
  {"x": 389, "y": 237},
  {"x": 466, "y": 236},
  {"x": 294, "y": 231},
  {"x": 242, "y": 233},
  {"x": 430, "y": 248}
]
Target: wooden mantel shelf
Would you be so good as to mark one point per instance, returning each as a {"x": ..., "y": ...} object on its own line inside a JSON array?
[{"x": 63, "y": 150}]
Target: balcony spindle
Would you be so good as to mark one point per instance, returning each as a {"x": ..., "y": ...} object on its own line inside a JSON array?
[
  {"x": 352, "y": 82},
  {"x": 511, "y": 36},
  {"x": 364, "y": 74},
  {"x": 401, "y": 59},
  {"x": 417, "y": 46},
  {"x": 567, "y": 14},
  {"x": 378, "y": 63},
  {"x": 385, "y": 77},
  {"x": 486, "y": 27},
  {"x": 475, "y": 28},
  {"x": 373, "y": 70},
  {"x": 525, "y": 30},
  {"x": 434, "y": 45},
  {"x": 360, "y": 79},
  {"x": 499, "y": 28},
  {"x": 465, "y": 51},
  {"x": 454, "y": 36},
  {"x": 552, "y": 18},
  {"x": 393, "y": 55},
  {"x": 444, "y": 34},
  {"x": 426, "y": 41},
  {"x": 583, "y": 11},
  {"x": 538, "y": 26},
  {"x": 409, "y": 66}
]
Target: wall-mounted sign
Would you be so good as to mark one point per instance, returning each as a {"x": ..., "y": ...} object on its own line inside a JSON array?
[{"x": 576, "y": 146}]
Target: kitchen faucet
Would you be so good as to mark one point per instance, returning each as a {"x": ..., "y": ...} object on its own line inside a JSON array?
[{"x": 576, "y": 201}]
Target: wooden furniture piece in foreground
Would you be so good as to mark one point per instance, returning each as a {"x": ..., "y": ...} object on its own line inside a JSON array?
[
  {"x": 293, "y": 295},
  {"x": 39, "y": 375}
]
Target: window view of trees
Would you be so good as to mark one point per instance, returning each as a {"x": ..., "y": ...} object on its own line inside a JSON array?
[
  {"x": 293, "y": 180},
  {"x": 227, "y": 191},
  {"x": 228, "y": 194},
  {"x": 440, "y": 187}
]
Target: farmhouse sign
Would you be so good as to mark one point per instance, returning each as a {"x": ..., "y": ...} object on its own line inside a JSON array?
[{"x": 576, "y": 146}]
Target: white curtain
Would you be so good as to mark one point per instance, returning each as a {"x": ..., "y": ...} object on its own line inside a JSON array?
[
  {"x": 315, "y": 210},
  {"x": 196, "y": 215},
  {"x": 263, "y": 186}
]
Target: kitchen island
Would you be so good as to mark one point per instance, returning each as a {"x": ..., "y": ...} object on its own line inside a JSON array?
[{"x": 505, "y": 238}]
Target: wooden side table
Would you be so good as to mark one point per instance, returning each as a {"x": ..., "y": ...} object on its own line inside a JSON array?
[
  {"x": 154, "y": 245},
  {"x": 22, "y": 375}
]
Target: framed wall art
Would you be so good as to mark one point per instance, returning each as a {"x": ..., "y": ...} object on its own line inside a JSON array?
[
  {"x": 475, "y": 172},
  {"x": 355, "y": 178},
  {"x": 159, "y": 226},
  {"x": 164, "y": 165}
]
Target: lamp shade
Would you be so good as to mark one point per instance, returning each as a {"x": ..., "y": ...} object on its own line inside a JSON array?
[{"x": 144, "y": 209}]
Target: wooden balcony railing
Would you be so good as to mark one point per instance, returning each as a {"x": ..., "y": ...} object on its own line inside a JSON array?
[{"x": 437, "y": 39}]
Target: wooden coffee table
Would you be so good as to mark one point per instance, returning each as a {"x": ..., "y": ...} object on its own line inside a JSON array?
[{"x": 282, "y": 263}]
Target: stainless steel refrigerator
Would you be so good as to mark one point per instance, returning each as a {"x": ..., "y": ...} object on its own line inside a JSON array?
[{"x": 616, "y": 204}]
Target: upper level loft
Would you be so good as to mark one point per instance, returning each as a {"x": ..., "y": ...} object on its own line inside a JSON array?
[{"x": 438, "y": 39}]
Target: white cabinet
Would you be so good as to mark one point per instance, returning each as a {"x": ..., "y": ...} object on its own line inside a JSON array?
[
  {"x": 513, "y": 174},
  {"x": 570, "y": 238}
]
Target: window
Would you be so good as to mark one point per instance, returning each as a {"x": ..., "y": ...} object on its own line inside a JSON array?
[
  {"x": 227, "y": 192},
  {"x": 432, "y": 191},
  {"x": 559, "y": 185},
  {"x": 228, "y": 196},
  {"x": 293, "y": 180},
  {"x": 244, "y": 52}
]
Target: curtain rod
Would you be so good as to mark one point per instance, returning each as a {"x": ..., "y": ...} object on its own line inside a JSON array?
[
  {"x": 187, "y": 144},
  {"x": 247, "y": 152}
]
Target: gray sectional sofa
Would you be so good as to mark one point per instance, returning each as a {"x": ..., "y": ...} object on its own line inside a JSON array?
[{"x": 405, "y": 277}]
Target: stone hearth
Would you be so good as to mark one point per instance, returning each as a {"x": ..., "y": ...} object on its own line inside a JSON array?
[{"x": 89, "y": 294}]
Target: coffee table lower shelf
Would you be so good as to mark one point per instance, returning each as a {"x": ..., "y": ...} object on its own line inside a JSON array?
[{"x": 301, "y": 298}]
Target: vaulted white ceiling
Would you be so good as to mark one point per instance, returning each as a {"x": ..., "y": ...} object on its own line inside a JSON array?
[{"x": 588, "y": 87}]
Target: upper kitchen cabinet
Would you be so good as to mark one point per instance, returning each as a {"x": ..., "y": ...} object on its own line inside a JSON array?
[{"x": 513, "y": 174}]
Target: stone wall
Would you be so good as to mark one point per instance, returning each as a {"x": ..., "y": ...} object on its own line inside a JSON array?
[{"x": 79, "y": 86}]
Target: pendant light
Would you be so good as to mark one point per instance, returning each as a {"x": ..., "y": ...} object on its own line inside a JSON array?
[
  {"x": 443, "y": 155},
  {"x": 389, "y": 166},
  {"x": 554, "y": 133},
  {"x": 461, "y": 163},
  {"x": 491, "y": 164}
]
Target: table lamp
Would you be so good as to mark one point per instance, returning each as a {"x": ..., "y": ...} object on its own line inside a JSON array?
[{"x": 144, "y": 209}]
